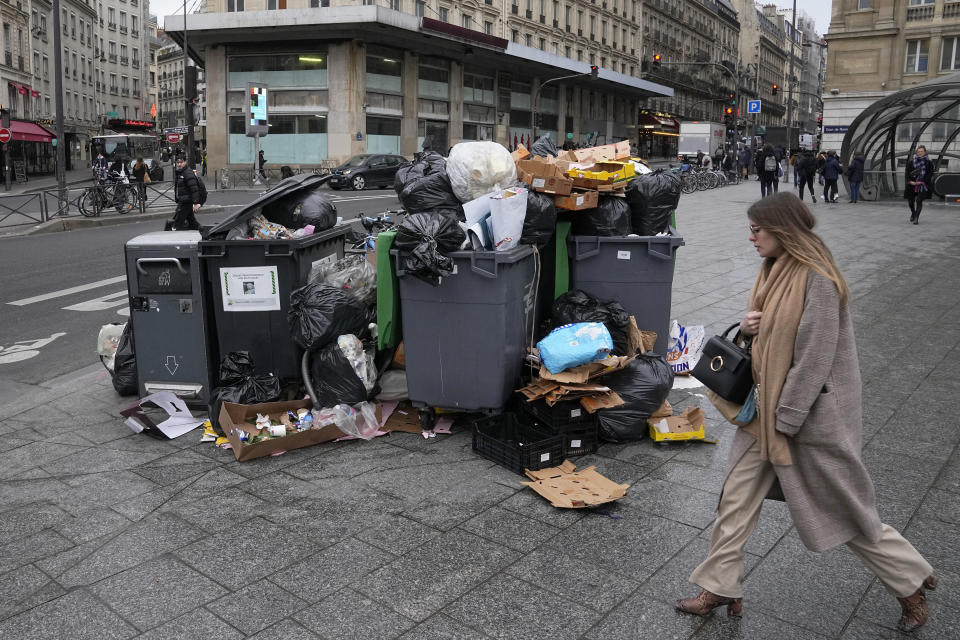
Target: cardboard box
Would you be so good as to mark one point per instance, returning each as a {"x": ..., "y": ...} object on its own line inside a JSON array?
[
  {"x": 244, "y": 416},
  {"x": 544, "y": 175},
  {"x": 587, "y": 371},
  {"x": 520, "y": 153},
  {"x": 603, "y": 153},
  {"x": 689, "y": 425},
  {"x": 603, "y": 172},
  {"x": 591, "y": 396},
  {"x": 567, "y": 488},
  {"x": 577, "y": 201}
]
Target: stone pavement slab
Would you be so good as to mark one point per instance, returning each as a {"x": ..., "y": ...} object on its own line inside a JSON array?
[{"x": 106, "y": 534}]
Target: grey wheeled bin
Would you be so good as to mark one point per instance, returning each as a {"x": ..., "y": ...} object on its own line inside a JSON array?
[
  {"x": 168, "y": 314},
  {"x": 465, "y": 340},
  {"x": 250, "y": 282},
  {"x": 636, "y": 271}
]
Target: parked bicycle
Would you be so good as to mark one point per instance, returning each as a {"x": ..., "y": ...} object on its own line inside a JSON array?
[
  {"x": 386, "y": 221},
  {"x": 114, "y": 191}
]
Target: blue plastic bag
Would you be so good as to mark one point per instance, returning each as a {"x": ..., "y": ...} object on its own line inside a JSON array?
[{"x": 574, "y": 344}]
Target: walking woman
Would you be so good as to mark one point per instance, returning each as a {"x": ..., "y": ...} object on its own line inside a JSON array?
[
  {"x": 806, "y": 434},
  {"x": 768, "y": 167},
  {"x": 141, "y": 175},
  {"x": 919, "y": 182},
  {"x": 855, "y": 176},
  {"x": 831, "y": 173}
]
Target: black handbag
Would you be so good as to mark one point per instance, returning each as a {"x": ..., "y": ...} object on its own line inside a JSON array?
[{"x": 724, "y": 367}]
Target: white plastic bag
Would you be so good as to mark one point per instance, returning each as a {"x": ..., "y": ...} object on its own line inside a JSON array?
[
  {"x": 508, "y": 209},
  {"x": 685, "y": 347},
  {"x": 107, "y": 342},
  {"x": 360, "y": 360},
  {"x": 360, "y": 422},
  {"x": 476, "y": 168}
]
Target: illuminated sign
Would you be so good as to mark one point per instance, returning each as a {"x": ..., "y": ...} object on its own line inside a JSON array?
[
  {"x": 130, "y": 124},
  {"x": 255, "y": 110}
]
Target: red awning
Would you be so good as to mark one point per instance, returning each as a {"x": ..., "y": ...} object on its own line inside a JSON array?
[
  {"x": 30, "y": 132},
  {"x": 650, "y": 121}
]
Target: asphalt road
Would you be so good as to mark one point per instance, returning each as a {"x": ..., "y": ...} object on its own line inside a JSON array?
[{"x": 60, "y": 288}]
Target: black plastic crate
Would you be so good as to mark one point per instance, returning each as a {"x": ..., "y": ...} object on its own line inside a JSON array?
[
  {"x": 578, "y": 427},
  {"x": 516, "y": 445}
]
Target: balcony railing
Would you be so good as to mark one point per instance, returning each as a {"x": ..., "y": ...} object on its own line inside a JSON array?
[
  {"x": 135, "y": 64},
  {"x": 124, "y": 59},
  {"x": 125, "y": 91},
  {"x": 951, "y": 10},
  {"x": 114, "y": 90},
  {"x": 112, "y": 26},
  {"x": 123, "y": 29},
  {"x": 8, "y": 58},
  {"x": 134, "y": 33},
  {"x": 20, "y": 62},
  {"x": 915, "y": 14},
  {"x": 112, "y": 57}
]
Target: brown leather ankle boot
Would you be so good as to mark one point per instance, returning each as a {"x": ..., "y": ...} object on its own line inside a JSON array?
[
  {"x": 705, "y": 602},
  {"x": 914, "y": 610}
]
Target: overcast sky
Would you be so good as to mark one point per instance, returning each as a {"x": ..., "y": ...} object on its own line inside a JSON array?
[{"x": 819, "y": 10}]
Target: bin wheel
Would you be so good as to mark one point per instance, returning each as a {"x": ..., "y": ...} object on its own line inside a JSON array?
[{"x": 428, "y": 419}]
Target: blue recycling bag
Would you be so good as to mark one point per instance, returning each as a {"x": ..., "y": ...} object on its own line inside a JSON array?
[{"x": 574, "y": 344}]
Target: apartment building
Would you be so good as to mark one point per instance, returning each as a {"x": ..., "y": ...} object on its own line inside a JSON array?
[
  {"x": 764, "y": 56},
  {"x": 123, "y": 70},
  {"x": 356, "y": 77}
]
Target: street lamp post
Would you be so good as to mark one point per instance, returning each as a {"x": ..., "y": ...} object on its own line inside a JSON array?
[
  {"x": 793, "y": 39},
  {"x": 188, "y": 103},
  {"x": 58, "y": 88}
]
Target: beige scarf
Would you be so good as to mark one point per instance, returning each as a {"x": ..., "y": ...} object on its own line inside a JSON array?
[{"x": 779, "y": 294}]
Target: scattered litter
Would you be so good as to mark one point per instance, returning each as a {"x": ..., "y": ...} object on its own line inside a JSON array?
[
  {"x": 181, "y": 421},
  {"x": 567, "y": 488},
  {"x": 689, "y": 425},
  {"x": 685, "y": 347}
]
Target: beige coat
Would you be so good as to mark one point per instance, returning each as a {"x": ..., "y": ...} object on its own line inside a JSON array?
[{"x": 827, "y": 488}]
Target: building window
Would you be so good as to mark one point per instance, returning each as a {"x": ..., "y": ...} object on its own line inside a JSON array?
[
  {"x": 308, "y": 69},
  {"x": 383, "y": 135},
  {"x": 543, "y": 44},
  {"x": 384, "y": 73},
  {"x": 396, "y": 5},
  {"x": 950, "y": 56},
  {"x": 293, "y": 139},
  {"x": 419, "y": 8},
  {"x": 917, "y": 51},
  {"x": 444, "y": 14},
  {"x": 488, "y": 28},
  {"x": 465, "y": 21},
  {"x": 234, "y": 5},
  {"x": 863, "y": 4},
  {"x": 433, "y": 78},
  {"x": 515, "y": 36},
  {"x": 528, "y": 39},
  {"x": 917, "y": 3}
]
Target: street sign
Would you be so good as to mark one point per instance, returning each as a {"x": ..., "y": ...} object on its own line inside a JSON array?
[
  {"x": 113, "y": 114},
  {"x": 5, "y": 135},
  {"x": 181, "y": 130},
  {"x": 753, "y": 106},
  {"x": 837, "y": 128},
  {"x": 174, "y": 138}
]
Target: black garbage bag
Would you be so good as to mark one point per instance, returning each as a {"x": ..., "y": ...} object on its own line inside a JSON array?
[
  {"x": 430, "y": 193},
  {"x": 611, "y": 217},
  {"x": 124, "y": 374},
  {"x": 319, "y": 312},
  {"x": 424, "y": 163},
  {"x": 423, "y": 240},
  {"x": 653, "y": 198},
  {"x": 334, "y": 380},
  {"x": 302, "y": 208},
  {"x": 580, "y": 306},
  {"x": 239, "y": 384},
  {"x": 541, "y": 221},
  {"x": 544, "y": 147},
  {"x": 643, "y": 384}
]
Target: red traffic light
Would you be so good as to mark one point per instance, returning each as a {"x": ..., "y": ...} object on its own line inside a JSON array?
[
  {"x": 729, "y": 111},
  {"x": 656, "y": 61},
  {"x": 775, "y": 87},
  {"x": 594, "y": 71}
]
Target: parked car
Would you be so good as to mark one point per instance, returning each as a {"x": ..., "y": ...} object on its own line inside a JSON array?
[{"x": 367, "y": 170}]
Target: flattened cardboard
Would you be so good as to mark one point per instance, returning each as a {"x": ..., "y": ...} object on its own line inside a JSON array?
[
  {"x": 665, "y": 411},
  {"x": 607, "y": 400},
  {"x": 591, "y": 396},
  {"x": 404, "y": 418},
  {"x": 520, "y": 153},
  {"x": 567, "y": 488},
  {"x": 544, "y": 175},
  {"x": 639, "y": 340},
  {"x": 692, "y": 419},
  {"x": 587, "y": 371},
  {"x": 243, "y": 416},
  {"x": 577, "y": 201}
]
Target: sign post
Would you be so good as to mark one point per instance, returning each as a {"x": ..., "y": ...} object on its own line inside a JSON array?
[{"x": 256, "y": 122}]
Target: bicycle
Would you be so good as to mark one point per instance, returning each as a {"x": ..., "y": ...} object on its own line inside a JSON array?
[
  {"x": 115, "y": 191},
  {"x": 386, "y": 221}
]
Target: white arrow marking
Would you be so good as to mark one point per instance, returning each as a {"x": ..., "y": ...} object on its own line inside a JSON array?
[
  {"x": 172, "y": 360},
  {"x": 108, "y": 301},
  {"x": 67, "y": 292}
]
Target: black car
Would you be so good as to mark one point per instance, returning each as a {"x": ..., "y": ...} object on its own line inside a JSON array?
[{"x": 367, "y": 170}]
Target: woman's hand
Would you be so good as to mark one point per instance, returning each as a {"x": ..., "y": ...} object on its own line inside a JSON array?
[{"x": 750, "y": 325}]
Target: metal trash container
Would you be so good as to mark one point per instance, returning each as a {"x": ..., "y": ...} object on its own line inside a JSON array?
[{"x": 168, "y": 312}]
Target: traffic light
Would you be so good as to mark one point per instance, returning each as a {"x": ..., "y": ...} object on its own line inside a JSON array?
[
  {"x": 728, "y": 111},
  {"x": 775, "y": 87},
  {"x": 190, "y": 83},
  {"x": 733, "y": 99},
  {"x": 656, "y": 62},
  {"x": 594, "y": 71}
]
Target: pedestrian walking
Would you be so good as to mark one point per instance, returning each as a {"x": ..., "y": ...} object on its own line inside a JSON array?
[
  {"x": 805, "y": 435},
  {"x": 187, "y": 196},
  {"x": 699, "y": 158},
  {"x": 260, "y": 162},
  {"x": 745, "y": 162},
  {"x": 831, "y": 173},
  {"x": 99, "y": 166},
  {"x": 919, "y": 182},
  {"x": 141, "y": 176},
  {"x": 855, "y": 176},
  {"x": 821, "y": 162},
  {"x": 203, "y": 163},
  {"x": 768, "y": 166},
  {"x": 807, "y": 168}
]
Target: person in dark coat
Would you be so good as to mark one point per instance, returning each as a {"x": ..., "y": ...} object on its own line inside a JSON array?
[
  {"x": 919, "y": 182},
  {"x": 260, "y": 162},
  {"x": 806, "y": 168},
  {"x": 699, "y": 158},
  {"x": 745, "y": 157},
  {"x": 821, "y": 161},
  {"x": 855, "y": 176},
  {"x": 187, "y": 192},
  {"x": 806, "y": 431},
  {"x": 831, "y": 173},
  {"x": 767, "y": 166}
]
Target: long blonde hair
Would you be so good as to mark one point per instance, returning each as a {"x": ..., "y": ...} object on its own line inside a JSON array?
[{"x": 787, "y": 218}]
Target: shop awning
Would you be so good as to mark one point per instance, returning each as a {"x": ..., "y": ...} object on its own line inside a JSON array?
[
  {"x": 662, "y": 123},
  {"x": 30, "y": 132}
]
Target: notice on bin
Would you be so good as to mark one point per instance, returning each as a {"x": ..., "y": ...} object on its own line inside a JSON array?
[{"x": 250, "y": 289}]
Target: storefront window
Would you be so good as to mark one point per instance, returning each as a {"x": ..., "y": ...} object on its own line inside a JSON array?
[
  {"x": 384, "y": 73},
  {"x": 477, "y": 88},
  {"x": 477, "y": 131},
  {"x": 434, "y": 133},
  {"x": 283, "y": 71},
  {"x": 433, "y": 78},
  {"x": 293, "y": 139},
  {"x": 383, "y": 135}
]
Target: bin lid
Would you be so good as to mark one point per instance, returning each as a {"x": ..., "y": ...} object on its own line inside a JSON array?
[
  {"x": 293, "y": 184},
  {"x": 165, "y": 239}
]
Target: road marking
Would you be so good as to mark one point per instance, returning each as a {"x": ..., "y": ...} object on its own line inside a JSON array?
[
  {"x": 26, "y": 349},
  {"x": 108, "y": 301},
  {"x": 67, "y": 292},
  {"x": 354, "y": 199}
]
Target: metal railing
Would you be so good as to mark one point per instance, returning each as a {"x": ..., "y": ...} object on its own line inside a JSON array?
[
  {"x": 30, "y": 206},
  {"x": 227, "y": 178}
]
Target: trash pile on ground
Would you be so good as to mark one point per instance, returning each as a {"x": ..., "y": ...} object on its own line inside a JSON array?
[{"x": 525, "y": 295}]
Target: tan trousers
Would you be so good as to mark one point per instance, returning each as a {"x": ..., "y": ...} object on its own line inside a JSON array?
[{"x": 899, "y": 567}]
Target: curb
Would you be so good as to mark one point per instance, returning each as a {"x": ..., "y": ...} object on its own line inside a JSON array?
[{"x": 80, "y": 223}]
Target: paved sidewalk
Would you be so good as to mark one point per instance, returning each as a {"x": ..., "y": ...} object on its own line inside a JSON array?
[{"x": 112, "y": 535}]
